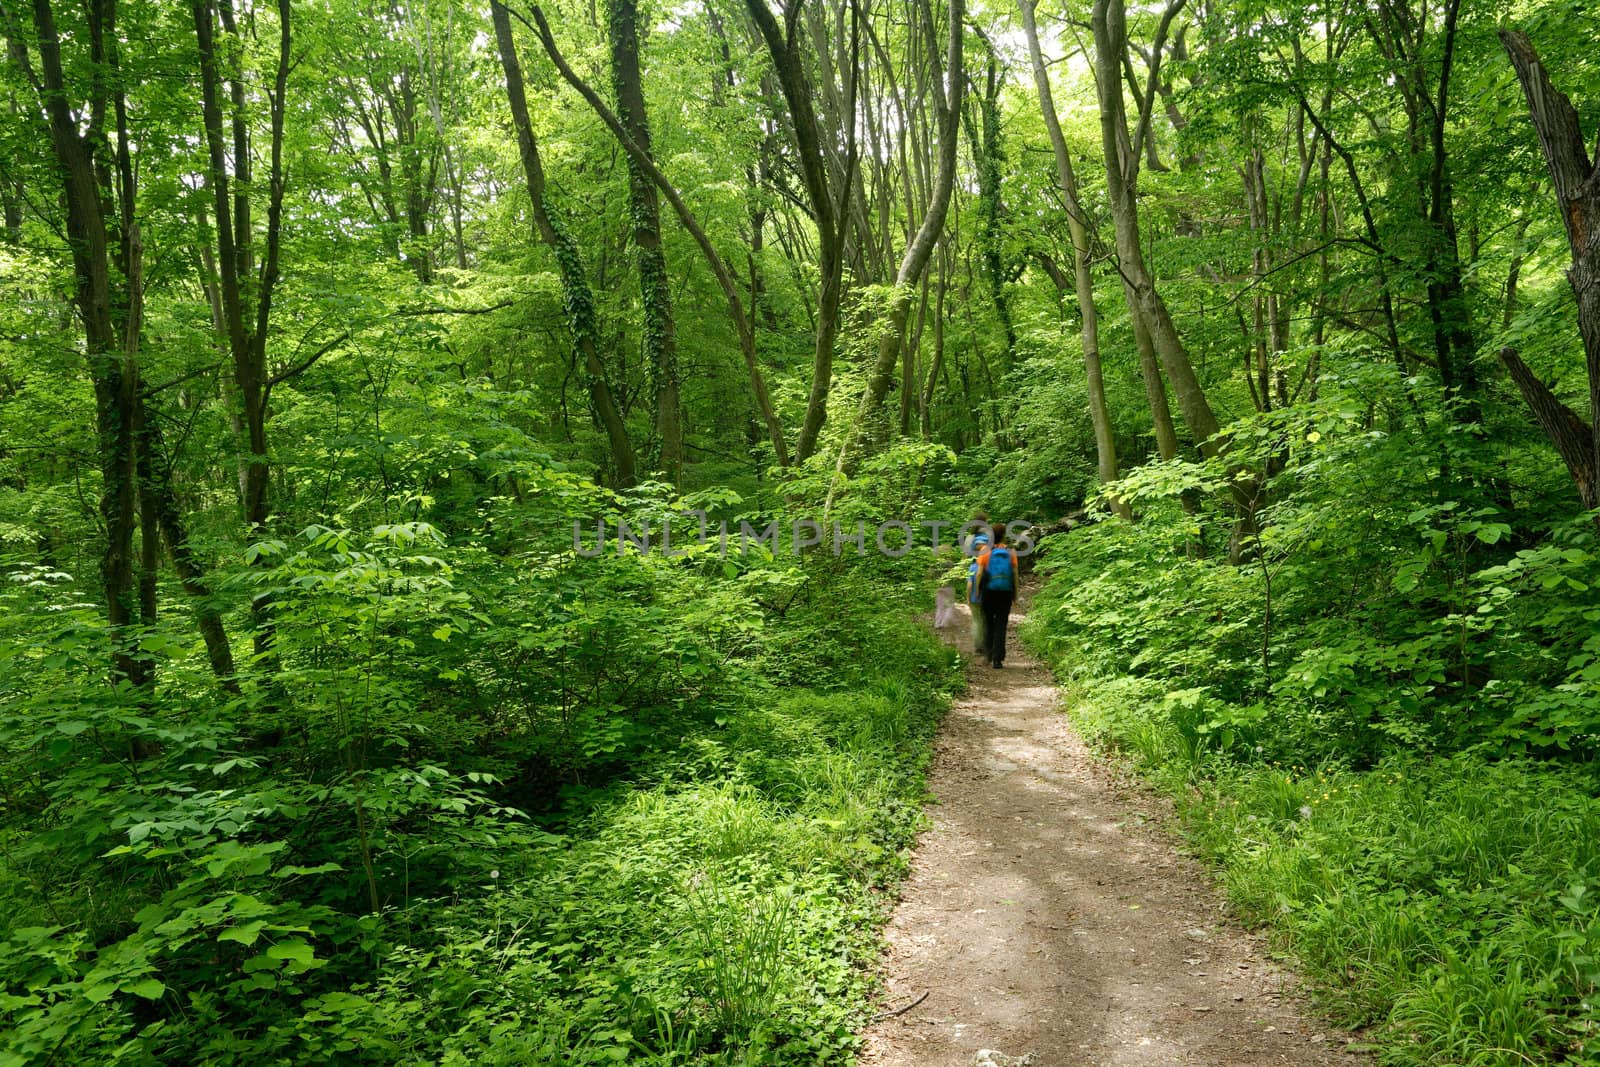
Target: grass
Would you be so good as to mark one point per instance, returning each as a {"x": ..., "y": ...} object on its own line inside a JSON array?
[
  {"x": 726, "y": 915},
  {"x": 1450, "y": 904}
]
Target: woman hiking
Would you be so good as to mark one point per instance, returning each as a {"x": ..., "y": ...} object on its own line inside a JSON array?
[{"x": 997, "y": 587}]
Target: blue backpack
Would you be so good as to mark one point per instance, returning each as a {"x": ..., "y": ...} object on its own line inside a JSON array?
[{"x": 1002, "y": 571}]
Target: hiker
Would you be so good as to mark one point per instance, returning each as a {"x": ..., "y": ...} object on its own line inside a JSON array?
[
  {"x": 971, "y": 545},
  {"x": 997, "y": 585}
]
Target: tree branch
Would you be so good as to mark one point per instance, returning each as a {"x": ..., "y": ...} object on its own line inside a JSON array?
[{"x": 305, "y": 364}]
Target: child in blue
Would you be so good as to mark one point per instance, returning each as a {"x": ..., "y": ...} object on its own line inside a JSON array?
[{"x": 970, "y": 547}]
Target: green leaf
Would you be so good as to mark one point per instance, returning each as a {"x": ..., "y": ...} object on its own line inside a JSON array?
[
  {"x": 148, "y": 988},
  {"x": 244, "y": 934},
  {"x": 295, "y": 950}
]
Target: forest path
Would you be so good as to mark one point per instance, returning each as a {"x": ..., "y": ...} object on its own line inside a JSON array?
[{"x": 1047, "y": 916}]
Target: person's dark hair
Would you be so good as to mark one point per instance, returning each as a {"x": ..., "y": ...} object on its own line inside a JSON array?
[
  {"x": 980, "y": 516},
  {"x": 999, "y": 533}
]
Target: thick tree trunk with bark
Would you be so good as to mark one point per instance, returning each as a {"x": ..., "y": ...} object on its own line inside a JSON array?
[
  {"x": 111, "y": 365},
  {"x": 660, "y": 331},
  {"x": 1576, "y": 178}
]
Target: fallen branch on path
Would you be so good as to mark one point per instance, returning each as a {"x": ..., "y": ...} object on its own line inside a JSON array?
[{"x": 882, "y": 1015}]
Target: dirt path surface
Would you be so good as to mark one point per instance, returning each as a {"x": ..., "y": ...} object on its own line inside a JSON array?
[{"x": 1049, "y": 920}]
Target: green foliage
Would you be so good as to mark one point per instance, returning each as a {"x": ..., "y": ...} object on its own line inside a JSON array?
[
  {"x": 471, "y": 797},
  {"x": 1345, "y": 721},
  {"x": 338, "y": 864}
]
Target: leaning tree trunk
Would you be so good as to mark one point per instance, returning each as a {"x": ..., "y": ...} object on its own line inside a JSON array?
[
  {"x": 744, "y": 327},
  {"x": 1571, "y": 436},
  {"x": 920, "y": 248},
  {"x": 1110, "y": 35},
  {"x": 1577, "y": 184},
  {"x": 577, "y": 296},
  {"x": 1121, "y": 157},
  {"x": 660, "y": 333}
]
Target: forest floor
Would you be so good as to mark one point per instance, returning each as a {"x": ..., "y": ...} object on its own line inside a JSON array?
[{"x": 1049, "y": 917}]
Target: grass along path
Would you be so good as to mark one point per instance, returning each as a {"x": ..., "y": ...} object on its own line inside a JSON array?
[{"x": 1047, "y": 916}]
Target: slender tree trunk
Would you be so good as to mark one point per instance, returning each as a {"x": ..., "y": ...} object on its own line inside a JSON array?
[
  {"x": 1519, "y": 254},
  {"x": 1110, "y": 34},
  {"x": 784, "y": 47},
  {"x": 162, "y": 521},
  {"x": 1455, "y": 345},
  {"x": 11, "y": 207},
  {"x": 1105, "y": 443},
  {"x": 920, "y": 248},
  {"x": 111, "y": 368},
  {"x": 934, "y": 371},
  {"x": 725, "y": 280},
  {"x": 1122, "y": 168},
  {"x": 1155, "y": 388},
  {"x": 246, "y": 295},
  {"x": 908, "y": 363},
  {"x": 988, "y": 153},
  {"x": 578, "y": 297}
]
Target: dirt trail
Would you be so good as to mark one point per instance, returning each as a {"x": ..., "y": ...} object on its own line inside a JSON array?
[{"x": 1047, "y": 916}]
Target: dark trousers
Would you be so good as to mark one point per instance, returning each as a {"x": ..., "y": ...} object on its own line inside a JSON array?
[{"x": 996, "y": 610}]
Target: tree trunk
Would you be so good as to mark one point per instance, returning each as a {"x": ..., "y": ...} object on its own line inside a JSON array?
[
  {"x": 111, "y": 367},
  {"x": 1110, "y": 34},
  {"x": 1577, "y": 186},
  {"x": 1573, "y": 438},
  {"x": 988, "y": 154},
  {"x": 660, "y": 332},
  {"x": 162, "y": 521},
  {"x": 725, "y": 280},
  {"x": 1105, "y": 443},
  {"x": 908, "y": 363},
  {"x": 577, "y": 296},
  {"x": 788, "y": 62},
  {"x": 246, "y": 294},
  {"x": 920, "y": 248},
  {"x": 925, "y": 402},
  {"x": 1447, "y": 300}
]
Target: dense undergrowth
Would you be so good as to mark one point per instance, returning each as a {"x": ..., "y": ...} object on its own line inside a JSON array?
[
  {"x": 1382, "y": 730},
  {"x": 497, "y": 803}
]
